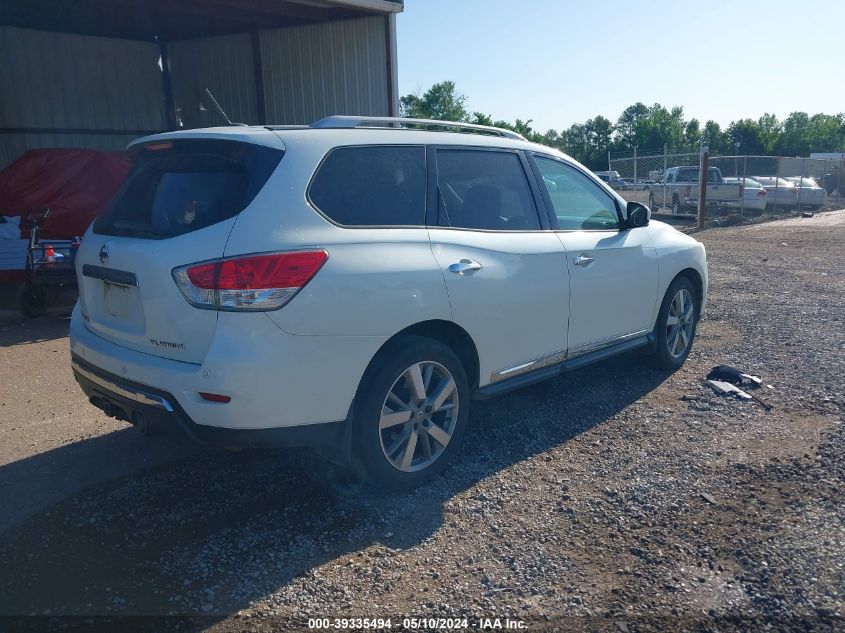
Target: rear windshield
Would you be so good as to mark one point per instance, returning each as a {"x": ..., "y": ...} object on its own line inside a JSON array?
[{"x": 176, "y": 187}]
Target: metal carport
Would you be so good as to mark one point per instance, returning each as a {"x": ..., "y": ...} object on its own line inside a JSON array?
[{"x": 98, "y": 73}]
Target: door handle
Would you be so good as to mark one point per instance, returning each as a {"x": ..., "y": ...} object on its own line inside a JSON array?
[
  {"x": 464, "y": 267},
  {"x": 583, "y": 260}
]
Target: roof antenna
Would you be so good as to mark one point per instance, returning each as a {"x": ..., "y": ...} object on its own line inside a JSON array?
[{"x": 219, "y": 109}]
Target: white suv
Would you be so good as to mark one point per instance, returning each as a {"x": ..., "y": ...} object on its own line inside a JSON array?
[{"x": 354, "y": 284}]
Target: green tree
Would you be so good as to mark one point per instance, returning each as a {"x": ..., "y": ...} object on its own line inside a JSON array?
[
  {"x": 442, "y": 102},
  {"x": 802, "y": 134},
  {"x": 793, "y": 140},
  {"x": 748, "y": 134},
  {"x": 826, "y": 133},
  {"x": 717, "y": 140},
  {"x": 479, "y": 118},
  {"x": 628, "y": 124},
  {"x": 692, "y": 133},
  {"x": 650, "y": 128},
  {"x": 647, "y": 128},
  {"x": 770, "y": 131}
]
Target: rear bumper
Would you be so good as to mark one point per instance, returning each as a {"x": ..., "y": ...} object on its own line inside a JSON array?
[
  {"x": 154, "y": 409},
  {"x": 274, "y": 379}
]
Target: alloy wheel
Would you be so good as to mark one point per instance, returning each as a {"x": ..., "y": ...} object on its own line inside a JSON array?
[
  {"x": 679, "y": 323},
  {"x": 418, "y": 416}
]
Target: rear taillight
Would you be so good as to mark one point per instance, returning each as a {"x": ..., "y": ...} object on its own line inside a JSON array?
[
  {"x": 762, "y": 193},
  {"x": 254, "y": 282}
]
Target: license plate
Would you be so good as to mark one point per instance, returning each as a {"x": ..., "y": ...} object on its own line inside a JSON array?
[{"x": 117, "y": 300}]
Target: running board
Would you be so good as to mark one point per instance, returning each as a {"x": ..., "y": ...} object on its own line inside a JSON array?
[{"x": 570, "y": 364}]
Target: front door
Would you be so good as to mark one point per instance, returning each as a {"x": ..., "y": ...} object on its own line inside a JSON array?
[
  {"x": 612, "y": 272},
  {"x": 505, "y": 270}
]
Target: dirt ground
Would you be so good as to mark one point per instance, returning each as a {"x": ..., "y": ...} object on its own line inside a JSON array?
[{"x": 618, "y": 498}]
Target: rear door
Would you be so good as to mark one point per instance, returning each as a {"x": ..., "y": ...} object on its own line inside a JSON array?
[
  {"x": 177, "y": 206},
  {"x": 505, "y": 270},
  {"x": 613, "y": 273}
]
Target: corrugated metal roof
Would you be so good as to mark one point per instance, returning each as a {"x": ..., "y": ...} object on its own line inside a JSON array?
[{"x": 175, "y": 19}]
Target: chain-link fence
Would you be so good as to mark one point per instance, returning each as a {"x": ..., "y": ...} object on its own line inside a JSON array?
[{"x": 748, "y": 185}]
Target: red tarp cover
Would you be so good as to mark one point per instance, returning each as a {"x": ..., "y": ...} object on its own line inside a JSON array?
[{"x": 76, "y": 184}]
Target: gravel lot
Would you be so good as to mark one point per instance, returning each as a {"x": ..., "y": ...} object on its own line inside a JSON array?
[{"x": 619, "y": 498}]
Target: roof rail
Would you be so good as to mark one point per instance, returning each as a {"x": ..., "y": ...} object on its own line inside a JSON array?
[{"x": 350, "y": 122}]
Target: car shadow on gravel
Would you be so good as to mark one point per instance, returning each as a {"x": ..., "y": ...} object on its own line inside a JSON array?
[
  {"x": 211, "y": 533},
  {"x": 18, "y": 331}
]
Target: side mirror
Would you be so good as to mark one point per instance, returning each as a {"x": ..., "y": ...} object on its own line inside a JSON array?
[{"x": 637, "y": 215}]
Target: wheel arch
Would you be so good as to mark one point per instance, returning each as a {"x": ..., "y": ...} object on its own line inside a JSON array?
[
  {"x": 447, "y": 332},
  {"x": 697, "y": 283}
]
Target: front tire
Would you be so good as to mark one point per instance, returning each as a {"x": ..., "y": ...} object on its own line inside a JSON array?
[
  {"x": 676, "y": 324},
  {"x": 411, "y": 414}
]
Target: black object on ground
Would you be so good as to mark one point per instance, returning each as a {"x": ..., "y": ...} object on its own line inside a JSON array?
[{"x": 732, "y": 375}]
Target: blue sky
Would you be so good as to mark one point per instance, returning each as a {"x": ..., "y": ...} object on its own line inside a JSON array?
[{"x": 563, "y": 61}]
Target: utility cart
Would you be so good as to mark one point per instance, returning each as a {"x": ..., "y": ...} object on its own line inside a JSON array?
[{"x": 49, "y": 268}]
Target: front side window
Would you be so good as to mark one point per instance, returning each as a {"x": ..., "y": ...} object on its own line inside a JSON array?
[
  {"x": 372, "y": 186},
  {"x": 579, "y": 203},
  {"x": 484, "y": 190}
]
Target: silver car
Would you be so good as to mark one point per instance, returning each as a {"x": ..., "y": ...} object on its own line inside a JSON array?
[
  {"x": 810, "y": 193},
  {"x": 754, "y": 196},
  {"x": 781, "y": 192}
]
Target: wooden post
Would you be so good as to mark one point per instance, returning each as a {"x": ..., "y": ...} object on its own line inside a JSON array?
[{"x": 702, "y": 186}]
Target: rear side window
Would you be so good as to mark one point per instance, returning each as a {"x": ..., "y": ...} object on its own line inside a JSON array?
[
  {"x": 372, "y": 186},
  {"x": 176, "y": 187},
  {"x": 485, "y": 190}
]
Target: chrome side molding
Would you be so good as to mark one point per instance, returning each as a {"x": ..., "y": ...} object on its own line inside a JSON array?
[
  {"x": 530, "y": 365},
  {"x": 559, "y": 357}
]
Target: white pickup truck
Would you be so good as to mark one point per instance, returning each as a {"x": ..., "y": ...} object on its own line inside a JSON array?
[{"x": 678, "y": 190}]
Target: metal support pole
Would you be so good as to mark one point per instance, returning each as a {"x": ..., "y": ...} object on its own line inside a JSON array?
[
  {"x": 702, "y": 186},
  {"x": 665, "y": 168},
  {"x": 608, "y": 160},
  {"x": 742, "y": 201},
  {"x": 635, "y": 163},
  {"x": 777, "y": 182},
  {"x": 258, "y": 74},
  {"x": 801, "y": 183},
  {"x": 170, "y": 117}
]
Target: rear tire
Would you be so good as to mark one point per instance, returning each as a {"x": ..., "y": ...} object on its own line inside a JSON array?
[
  {"x": 32, "y": 300},
  {"x": 676, "y": 325},
  {"x": 411, "y": 414}
]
